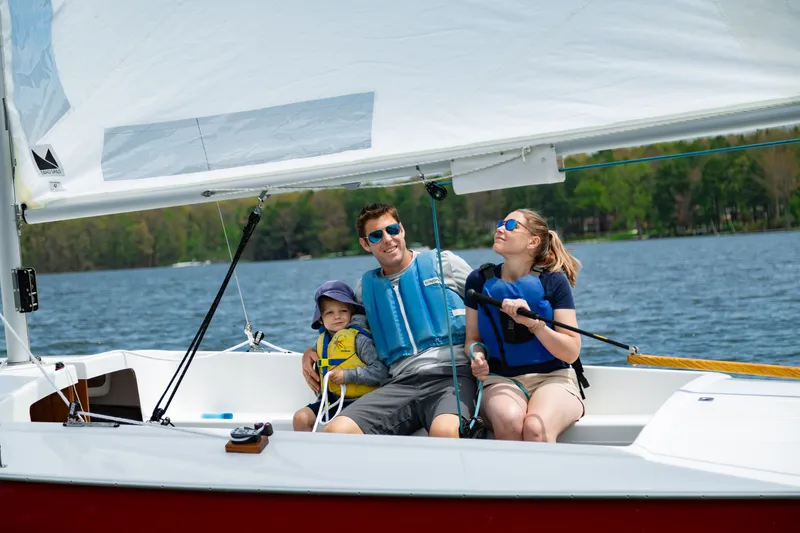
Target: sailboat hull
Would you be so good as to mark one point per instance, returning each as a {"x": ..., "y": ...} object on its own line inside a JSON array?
[
  {"x": 658, "y": 450},
  {"x": 96, "y": 508}
]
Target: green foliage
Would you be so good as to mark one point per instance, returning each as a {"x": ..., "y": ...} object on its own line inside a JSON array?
[{"x": 732, "y": 191}]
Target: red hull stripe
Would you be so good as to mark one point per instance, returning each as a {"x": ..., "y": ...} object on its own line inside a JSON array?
[{"x": 32, "y": 507}]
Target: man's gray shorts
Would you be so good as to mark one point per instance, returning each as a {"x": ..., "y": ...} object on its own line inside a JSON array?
[{"x": 406, "y": 404}]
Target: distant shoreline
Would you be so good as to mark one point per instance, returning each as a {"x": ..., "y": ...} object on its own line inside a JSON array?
[
  {"x": 601, "y": 239},
  {"x": 626, "y": 236}
]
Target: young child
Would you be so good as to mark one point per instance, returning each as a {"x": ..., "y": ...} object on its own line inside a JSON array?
[{"x": 345, "y": 349}]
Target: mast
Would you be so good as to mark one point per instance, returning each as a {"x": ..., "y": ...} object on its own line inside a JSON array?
[{"x": 10, "y": 253}]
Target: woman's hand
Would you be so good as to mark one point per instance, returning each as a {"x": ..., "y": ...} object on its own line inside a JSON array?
[
  {"x": 511, "y": 307},
  {"x": 480, "y": 368},
  {"x": 337, "y": 376}
]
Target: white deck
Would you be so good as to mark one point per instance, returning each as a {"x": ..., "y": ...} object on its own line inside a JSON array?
[{"x": 646, "y": 433}]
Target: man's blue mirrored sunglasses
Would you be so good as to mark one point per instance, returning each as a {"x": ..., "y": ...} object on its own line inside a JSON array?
[{"x": 375, "y": 236}]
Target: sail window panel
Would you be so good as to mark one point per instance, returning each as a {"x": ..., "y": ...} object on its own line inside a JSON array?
[
  {"x": 38, "y": 94},
  {"x": 253, "y": 137},
  {"x": 147, "y": 151}
]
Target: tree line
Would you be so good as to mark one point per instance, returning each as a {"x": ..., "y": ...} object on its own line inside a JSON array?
[{"x": 750, "y": 190}]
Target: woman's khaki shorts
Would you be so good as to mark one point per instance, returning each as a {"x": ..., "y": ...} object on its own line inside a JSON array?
[{"x": 565, "y": 378}]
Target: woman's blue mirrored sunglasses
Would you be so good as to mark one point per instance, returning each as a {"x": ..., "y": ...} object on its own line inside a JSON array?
[
  {"x": 375, "y": 236},
  {"x": 509, "y": 224}
]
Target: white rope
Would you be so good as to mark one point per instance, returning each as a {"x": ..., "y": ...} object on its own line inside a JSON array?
[
  {"x": 297, "y": 188},
  {"x": 325, "y": 408},
  {"x": 276, "y": 348},
  {"x": 204, "y": 356},
  {"x": 34, "y": 360},
  {"x": 151, "y": 425},
  {"x": 77, "y": 396},
  {"x": 301, "y": 185},
  {"x": 235, "y": 276}
]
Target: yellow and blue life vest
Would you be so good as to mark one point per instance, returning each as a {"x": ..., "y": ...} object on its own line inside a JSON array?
[{"x": 340, "y": 351}]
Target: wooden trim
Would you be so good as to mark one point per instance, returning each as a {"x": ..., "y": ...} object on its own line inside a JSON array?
[
  {"x": 253, "y": 447},
  {"x": 51, "y": 408}
]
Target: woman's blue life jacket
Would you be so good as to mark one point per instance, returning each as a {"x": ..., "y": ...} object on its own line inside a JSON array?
[
  {"x": 409, "y": 315},
  {"x": 512, "y": 349}
]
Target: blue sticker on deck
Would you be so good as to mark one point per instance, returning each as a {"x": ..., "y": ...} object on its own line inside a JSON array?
[
  {"x": 280, "y": 133},
  {"x": 38, "y": 94}
]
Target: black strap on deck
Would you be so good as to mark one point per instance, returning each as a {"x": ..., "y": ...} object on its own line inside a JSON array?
[{"x": 247, "y": 232}]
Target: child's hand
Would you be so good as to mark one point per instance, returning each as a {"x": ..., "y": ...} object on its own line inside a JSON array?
[{"x": 337, "y": 376}]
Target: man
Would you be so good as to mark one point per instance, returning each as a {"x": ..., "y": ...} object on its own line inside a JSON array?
[{"x": 408, "y": 317}]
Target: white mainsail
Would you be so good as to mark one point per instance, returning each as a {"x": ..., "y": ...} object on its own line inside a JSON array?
[{"x": 127, "y": 105}]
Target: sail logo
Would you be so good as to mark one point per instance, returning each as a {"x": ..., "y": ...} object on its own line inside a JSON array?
[{"x": 46, "y": 161}]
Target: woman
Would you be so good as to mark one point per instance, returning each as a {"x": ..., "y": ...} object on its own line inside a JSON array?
[{"x": 523, "y": 353}]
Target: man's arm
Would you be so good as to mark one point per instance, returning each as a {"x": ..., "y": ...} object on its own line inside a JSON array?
[
  {"x": 309, "y": 373},
  {"x": 456, "y": 271}
]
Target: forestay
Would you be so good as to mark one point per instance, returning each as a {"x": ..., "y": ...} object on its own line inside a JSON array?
[{"x": 135, "y": 104}]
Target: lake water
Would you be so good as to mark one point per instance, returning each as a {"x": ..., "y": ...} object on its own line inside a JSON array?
[{"x": 730, "y": 297}]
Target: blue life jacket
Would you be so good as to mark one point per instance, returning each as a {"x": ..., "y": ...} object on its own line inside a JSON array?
[
  {"x": 411, "y": 317},
  {"x": 512, "y": 349}
]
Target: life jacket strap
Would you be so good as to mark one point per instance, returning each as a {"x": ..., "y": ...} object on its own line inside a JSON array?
[{"x": 362, "y": 331}]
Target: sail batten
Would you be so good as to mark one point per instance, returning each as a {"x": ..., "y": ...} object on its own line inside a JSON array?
[{"x": 151, "y": 102}]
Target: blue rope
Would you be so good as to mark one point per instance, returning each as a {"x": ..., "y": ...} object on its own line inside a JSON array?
[
  {"x": 449, "y": 313},
  {"x": 480, "y": 383},
  {"x": 669, "y": 156},
  {"x": 684, "y": 154}
]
